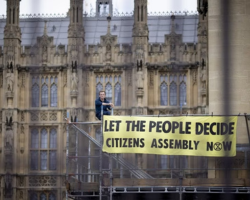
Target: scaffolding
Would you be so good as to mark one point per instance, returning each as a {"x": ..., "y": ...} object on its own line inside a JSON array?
[{"x": 90, "y": 172}]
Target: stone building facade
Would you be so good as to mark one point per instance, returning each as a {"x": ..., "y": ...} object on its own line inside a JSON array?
[{"x": 42, "y": 81}]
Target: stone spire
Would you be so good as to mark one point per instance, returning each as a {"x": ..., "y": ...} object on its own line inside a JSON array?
[
  {"x": 172, "y": 24},
  {"x": 45, "y": 28},
  {"x": 12, "y": 32},
  {"x": 75, "y": 31}
]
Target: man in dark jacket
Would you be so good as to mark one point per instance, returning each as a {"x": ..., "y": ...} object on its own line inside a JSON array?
[{"x": 101, "y": 101}]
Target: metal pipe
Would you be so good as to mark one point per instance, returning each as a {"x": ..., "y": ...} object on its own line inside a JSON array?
[
  {"x": 67, "y": 154},
  {"x": 100, "y": 164}
]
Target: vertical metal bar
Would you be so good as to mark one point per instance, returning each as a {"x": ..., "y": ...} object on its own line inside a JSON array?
[
  {"x": 89, "y": 160},
  {"x": 111, "y": 177},
  {"x": 247, "y": 128},
  {"x": 77, "y": 161},
  {"x": 67, "y": 154},
  {"x": 100, "y": 165}
]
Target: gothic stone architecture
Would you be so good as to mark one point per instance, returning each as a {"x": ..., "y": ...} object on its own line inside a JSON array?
[{"x": 148, "y": 65}]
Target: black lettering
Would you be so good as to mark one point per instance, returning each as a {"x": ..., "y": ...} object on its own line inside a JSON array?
[
  {"x": 177, "y": 144},
  {"x": 151, "y": 125},
  {"x": 128, "y": 125},
  {"x": 124, "y": 142},
  {"x": 116, "y": 141},
  {"x": 227, "y": 145},
  {"x": 158, "y": 127},
  {"x": 142, "y": 127},
  {"x": 105, "y": 126},
  {"x": 136, "y": 142},
  {"x": 198, "y": 128},
  {"x": 196, "y": 144},
  {"x": 142, "y": 142},
  {"x": 224, "y": 128},
  {"x": 206, "y": 128},
  {"x": 175, "y": 126},
  {"x": 181, "y": 128},
  {"x": 160, "y": 142},
  {"x": 211, "y": 128},
  {"x": 188, "y": 124},
  {"x": 130, "y": 142},
  {"x": 112, "y": 142},
  {"x": 118, "y": 125},
  {"x": 154, "y": 143},
  {"x": 164, "y": 127},
  {"x": 135, "y": 125},
  {"x": 190, "y": 145},
  {"x": 166, "y": 143},
  {"x": 107, "y": 141},
  {"x": 185, "y": 144},
  {"x": 210, "y": 146},
  {"x": 218, "y": 128},
  {"x": 171, "y": 146},
  {"x": 231, "y": 128},
  {"x": 111, "y": 125}
]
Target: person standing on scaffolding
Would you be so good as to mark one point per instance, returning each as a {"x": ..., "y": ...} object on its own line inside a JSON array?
[{"x": 102, "y": 101}]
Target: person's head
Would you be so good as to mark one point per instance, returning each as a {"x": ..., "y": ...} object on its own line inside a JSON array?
[{"x": 102, "y": 95}]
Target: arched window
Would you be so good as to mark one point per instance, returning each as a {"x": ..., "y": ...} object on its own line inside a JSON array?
[
  {"x": 44, "y": 95},
  {"x": 52, "y": 139},
  {"x": 33, "y": 196},
  {"x": 44, "y": 139},
  {"x": 173, "y": 94},
  {"x": 118, "y": 93},
  {"x": 98, "y": 89},
  {"x": 183, "y": 92},
  {"x": 52, "y": 160},
  {"x": 164, "y": 94},
  {"x": 35, "y": 95},
  {"x": 52, "y": 196},
  {"x": 34, "y": 139},
  {"x": 43, "y": 196},
  {"x": 108, "y": 90},
  {"x": 53, "y": 95}
]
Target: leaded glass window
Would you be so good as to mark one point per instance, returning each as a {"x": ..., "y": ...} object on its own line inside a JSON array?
[
  {"x": 118, "y": 93},
  {"x": 53, "y": 96},
  {"x": 164, "y": 94},
  {"x": 173, "y": 94},
  {"x": 44, "y": 91},
  {"x": 183, "y": 93},
  {"x": 109, "y": 92},
  {"x": 43, "y": 149}
]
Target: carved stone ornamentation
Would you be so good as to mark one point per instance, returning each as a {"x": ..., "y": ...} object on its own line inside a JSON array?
[
  {"x": 22, "y": 116},
  {"x": 38, "y": 181},
  {"x": 194, "y": 75},
  {"x": 44, "y": 116},
  {"x": 8, "y": 186},
  {"x": 34, "y": 116},
  {"x": 21, "y": 181},
  {"x": 53, "y": 116},
  {"x": 1, "y": 80}
]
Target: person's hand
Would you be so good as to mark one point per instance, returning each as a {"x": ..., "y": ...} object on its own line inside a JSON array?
[{"x": 111, "y": 104}]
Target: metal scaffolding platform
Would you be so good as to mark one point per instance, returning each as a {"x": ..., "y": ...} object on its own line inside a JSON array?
[{"x": 91, "y": 173}]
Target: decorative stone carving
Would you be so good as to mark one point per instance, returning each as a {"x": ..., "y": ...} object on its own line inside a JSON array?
[
  {"x": 139, "y": 75},
  {"x": 53, "y": 116},
  {"x": 21, "y": 181},
  {"x": 44, "y": 116},
  {"x": 194, "y": 75},
  {"x": 151, "y": 78},
  {"x": 108, "y": 53},
  {"x": 1, "y": 80},
  {"x": 10, "y": 77},
  {"x": 22, "y": 139},
  {"x": 22, "y": 116},
  {"x": 34, "y": 116},
  {"x": 9, "y": 134},
  {"x": 74, "y": 82},
  {"x": 8, "y": 186},
  {"x": 38, "y": 181}
]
